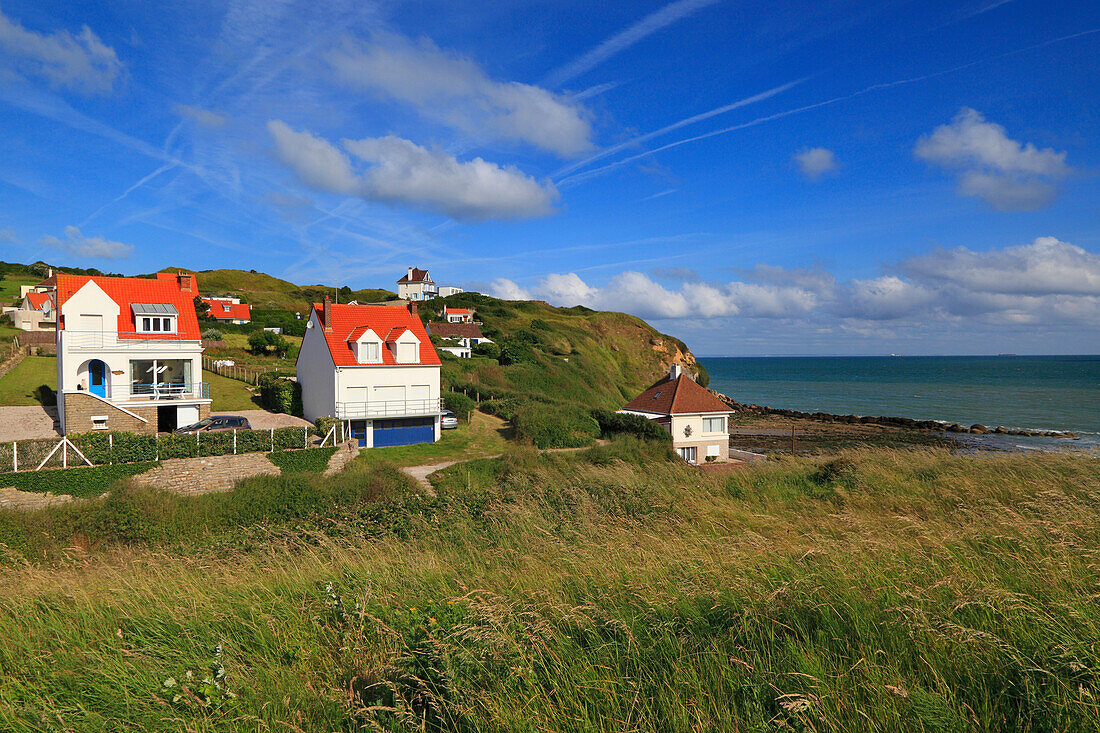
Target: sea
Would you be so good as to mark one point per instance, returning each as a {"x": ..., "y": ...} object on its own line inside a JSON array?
[{"x": 1032, "y": 392}]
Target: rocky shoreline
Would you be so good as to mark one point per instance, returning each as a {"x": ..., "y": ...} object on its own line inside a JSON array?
[{"x": 897, "y": 422}]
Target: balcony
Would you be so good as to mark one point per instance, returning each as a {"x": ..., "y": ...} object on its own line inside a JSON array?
[
  {"x": 390, "y": 408},
  {"x": 109, "y": 340},
  {"x": 162, "y": 392}
]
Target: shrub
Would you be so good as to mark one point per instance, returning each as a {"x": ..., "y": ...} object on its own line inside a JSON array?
[
  {"x": 279, "y": 394},
  {"x": 212, "y": 334},
  {"x": 555, "y": 426},
  {"x": 514, "y": 351},
  {"x": 265, "y": 342},
  {"x": 490, "y": 349},
  {"x": 702, "y": 376},
  {"x": 612, "y": 423},
  {"x": 313, "y": 460},
  {"x": 83, "y": 481},
  {"x": 458, "y": 403},
  {"x": 538, "y": 324}
]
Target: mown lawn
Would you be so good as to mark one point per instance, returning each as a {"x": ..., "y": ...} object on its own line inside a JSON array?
[
  {"x": 484, "y": 435},
  {"x": 19, "y": 386},
  {"x": 606, "y": 590},
  {"x": 229, "y": 394}
]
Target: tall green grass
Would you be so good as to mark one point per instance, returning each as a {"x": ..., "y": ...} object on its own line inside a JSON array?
[{"x": 612, "y": 589}]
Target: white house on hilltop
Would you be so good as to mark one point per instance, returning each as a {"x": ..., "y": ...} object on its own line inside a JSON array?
[
  {"x": 129, "y": 354},
  {"x": 372, "y": 367},
  {"x": 417, "y": 284}
]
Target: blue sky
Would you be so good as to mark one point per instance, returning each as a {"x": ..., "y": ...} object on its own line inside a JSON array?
[{"x": 804, "y": 178}]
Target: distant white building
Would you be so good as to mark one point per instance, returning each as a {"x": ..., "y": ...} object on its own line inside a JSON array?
[
  {"x": 461, "y": 337},
  {"x": 457, "y": 315},
  {"x": 416, "y": 284},
  {"x": 445, "y": 290},
  {"x": 37, "y": 311},
  {"x": 374, "y": 368},
  {"x": 228, "y": 309}
]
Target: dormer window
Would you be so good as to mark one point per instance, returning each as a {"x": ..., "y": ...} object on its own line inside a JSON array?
[
  {"x": 155, "y": 317},
  {"x": 406, "y": 352},
  {"x": 369, "y": 352}
]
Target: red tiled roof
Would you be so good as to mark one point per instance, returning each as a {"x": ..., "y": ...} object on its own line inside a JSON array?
[
  {"x": 165, "y": 288},
  {"x": 228, "y": 311},
  {"x": 678, "y": 396},
  {"x": 455, "y": 330},
  {"x": 418, "y": 276},
  {"x": 347, "y": 319},
  {"x": 456, "y": 311},
  {"x": 37, "y": 300}
]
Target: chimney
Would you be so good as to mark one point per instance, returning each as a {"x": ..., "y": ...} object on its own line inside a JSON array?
[
  {"x": 675, "y": 371},
  {"x": 412, "y": 307},
  {"x": 326, "y": 314},
  {"x": 410, "y": 274},
  {"x": 186, "y": 282}
]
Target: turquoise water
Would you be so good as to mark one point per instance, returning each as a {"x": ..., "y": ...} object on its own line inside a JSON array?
[{"x": 1036, "y": 392}]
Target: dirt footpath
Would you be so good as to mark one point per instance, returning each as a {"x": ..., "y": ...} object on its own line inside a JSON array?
[{"x": 26, "y": 423}]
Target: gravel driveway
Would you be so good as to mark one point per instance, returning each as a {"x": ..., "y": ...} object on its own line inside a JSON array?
[
  {"x": 264, "y": 420},
  {"x": 25, "y": 423}
]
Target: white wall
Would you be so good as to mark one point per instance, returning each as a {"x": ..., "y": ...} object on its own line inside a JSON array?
[
  {"x": 375, "y": 377},
  {"x": 316, "y": 373}
]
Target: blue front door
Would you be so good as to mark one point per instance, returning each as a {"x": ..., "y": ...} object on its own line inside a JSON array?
[
  {"x": 97, "y": 378},
  {"x": 359, "y": 432},
  {"x": 404, "y": 432}
]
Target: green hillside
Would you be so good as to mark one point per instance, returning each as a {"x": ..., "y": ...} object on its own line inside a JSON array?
[{"x": 265, "y": 292}]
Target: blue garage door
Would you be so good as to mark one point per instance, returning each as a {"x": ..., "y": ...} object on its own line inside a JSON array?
[{"x": 404, "y": 432}]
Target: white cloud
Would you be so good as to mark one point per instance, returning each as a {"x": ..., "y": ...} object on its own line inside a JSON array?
[
  {"x": 1045, "y": 282},
  {"x": 77, "y": 244},
  {"x": 316, "y": 162},
  {"x": 816, "y": 162},
  {"x": 400, "y": 172},
  {"x": 204, "y": 117},
  {"x": 1002, "y": 172},
  {"x": 81, "y": 62},
  {"x": 456, "y": 91}
]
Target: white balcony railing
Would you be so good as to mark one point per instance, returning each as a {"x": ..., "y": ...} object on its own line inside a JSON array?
[
  {"x": 152, "y": 392},
  {"x": 102, "y": 340},
  {"x": 387, "y": 408}
]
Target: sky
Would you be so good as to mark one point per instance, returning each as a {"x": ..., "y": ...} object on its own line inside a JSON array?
[{"x": 827, "y": 177}]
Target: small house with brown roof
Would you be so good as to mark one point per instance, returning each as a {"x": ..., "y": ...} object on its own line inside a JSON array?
[
  {"x": 416, "y": 284},
  {"x": 373, "y": 368},
  {"x": 697, "y": 420},
  {"x": 458, "y": 338}
]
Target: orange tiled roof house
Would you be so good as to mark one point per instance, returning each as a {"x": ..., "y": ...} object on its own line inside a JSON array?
[
  {"x": 697, "y": 420},
  {"x": 129, "y": 354},
  {"x": 372, "y": 367},
  {"x": 228, "y": 309}
]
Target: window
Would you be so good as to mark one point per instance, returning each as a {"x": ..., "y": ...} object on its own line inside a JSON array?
[
  {"x": 99, "y": 422},
  {"x": 156, "y": 324},
  {"x": 713, "y": 451},
  {"x": 145, "y": 324},
  {"x": 714, "y": 424},
  {"x": 406, "y": 353},
  {"x": 370, "y": 351}
]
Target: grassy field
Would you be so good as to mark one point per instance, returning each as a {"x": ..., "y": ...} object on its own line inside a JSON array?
[
  {"x": 485, "y": 435},
  {"x": 609, "y": 590},
  {"x": 229, "y": 394},
  {"x": 18, "y": 387}
]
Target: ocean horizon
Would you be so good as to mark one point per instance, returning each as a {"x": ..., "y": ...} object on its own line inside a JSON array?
[{"x": 1016, "y": 391}]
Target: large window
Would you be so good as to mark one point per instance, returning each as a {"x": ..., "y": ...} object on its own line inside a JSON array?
[
  {"x": 714, "y": 424},
  {"x": 160, "y": 377}
]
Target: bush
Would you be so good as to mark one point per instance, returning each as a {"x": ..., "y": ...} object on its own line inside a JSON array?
[
  {"x": 82, "y": 481},
  {"x": 490, "y": 349},
  {"x": 612, "y": 423},
  {"x": 538, "y": 324},
  {"x": 212, "y": 334},
  {"x": 702, "y": 376},
  {"x": 458, "y": 403},
  {"x": 313, "y": 460},
  {"x": 555, "y": 426},
  {"x": 514, "y": 351},
  {"x": 279, "y": 394},
  {"x": 266, "y": 342}
]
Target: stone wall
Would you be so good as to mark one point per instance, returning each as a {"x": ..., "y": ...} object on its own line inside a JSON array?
[
  {"x": 193, "y": 476},
  {"x": 81, "y": 408}
]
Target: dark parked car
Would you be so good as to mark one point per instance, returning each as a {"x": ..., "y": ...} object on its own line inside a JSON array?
[{"x": 215, "y": 424}]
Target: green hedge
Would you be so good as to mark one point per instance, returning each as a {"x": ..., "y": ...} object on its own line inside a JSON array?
[
  {"x": 555, "y": 426},
  {"x": 280, "y": 394},
  {"x": 105, "y": 448},
  {"x": 614, "y": 423},
  {"x": 84, "y": 481},
  {"x": 458, "y": 403},
  {"x": 314, "y": 460}
]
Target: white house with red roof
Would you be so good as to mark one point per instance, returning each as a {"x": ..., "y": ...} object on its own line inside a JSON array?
[
  {"x": 37, "y": 311},
  {"x": 372, "y": 367},
  {"x": 129, "y": 354},
  {"x": 228, "y": 309},
  {"x": 697, "y": 420},
  {"x": 457, "y": 315}
]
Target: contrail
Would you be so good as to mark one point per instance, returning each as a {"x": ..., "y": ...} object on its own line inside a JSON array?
[
  {"x": 580, "y": 177},
  {"x": 624, "y": 39}
]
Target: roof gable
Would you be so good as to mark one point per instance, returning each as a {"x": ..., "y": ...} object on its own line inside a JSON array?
[
  {"x": 381, "y": 319},
  {"x": 680, "y": 396},
  {"x": 126, "y": 291},
  {"x": 418, "y": 276}
]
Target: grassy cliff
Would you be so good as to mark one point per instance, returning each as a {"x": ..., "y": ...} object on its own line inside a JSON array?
[{"x": 266, "y": 292}]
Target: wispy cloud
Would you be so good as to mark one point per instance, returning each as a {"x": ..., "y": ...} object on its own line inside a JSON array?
[
  {"x": 814, "y": 163},
  {"x": 992, "y": 166},
  {"x": 624, "y": 39},
  {"x": 455, "y": 90},
  {"x": 402, "y": 173},
  {"x": 81, "y": 62},
  {"x": 75, "y": 243},
  {"x": 204, "y": 117}
]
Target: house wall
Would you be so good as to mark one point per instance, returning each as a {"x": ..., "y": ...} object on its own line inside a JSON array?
[
  {"x": 78, "y": 409},
  {"x": 376, "y": 378},
  {"x": 316, "y": 373},
  {"x": 702, "y": 441}
]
